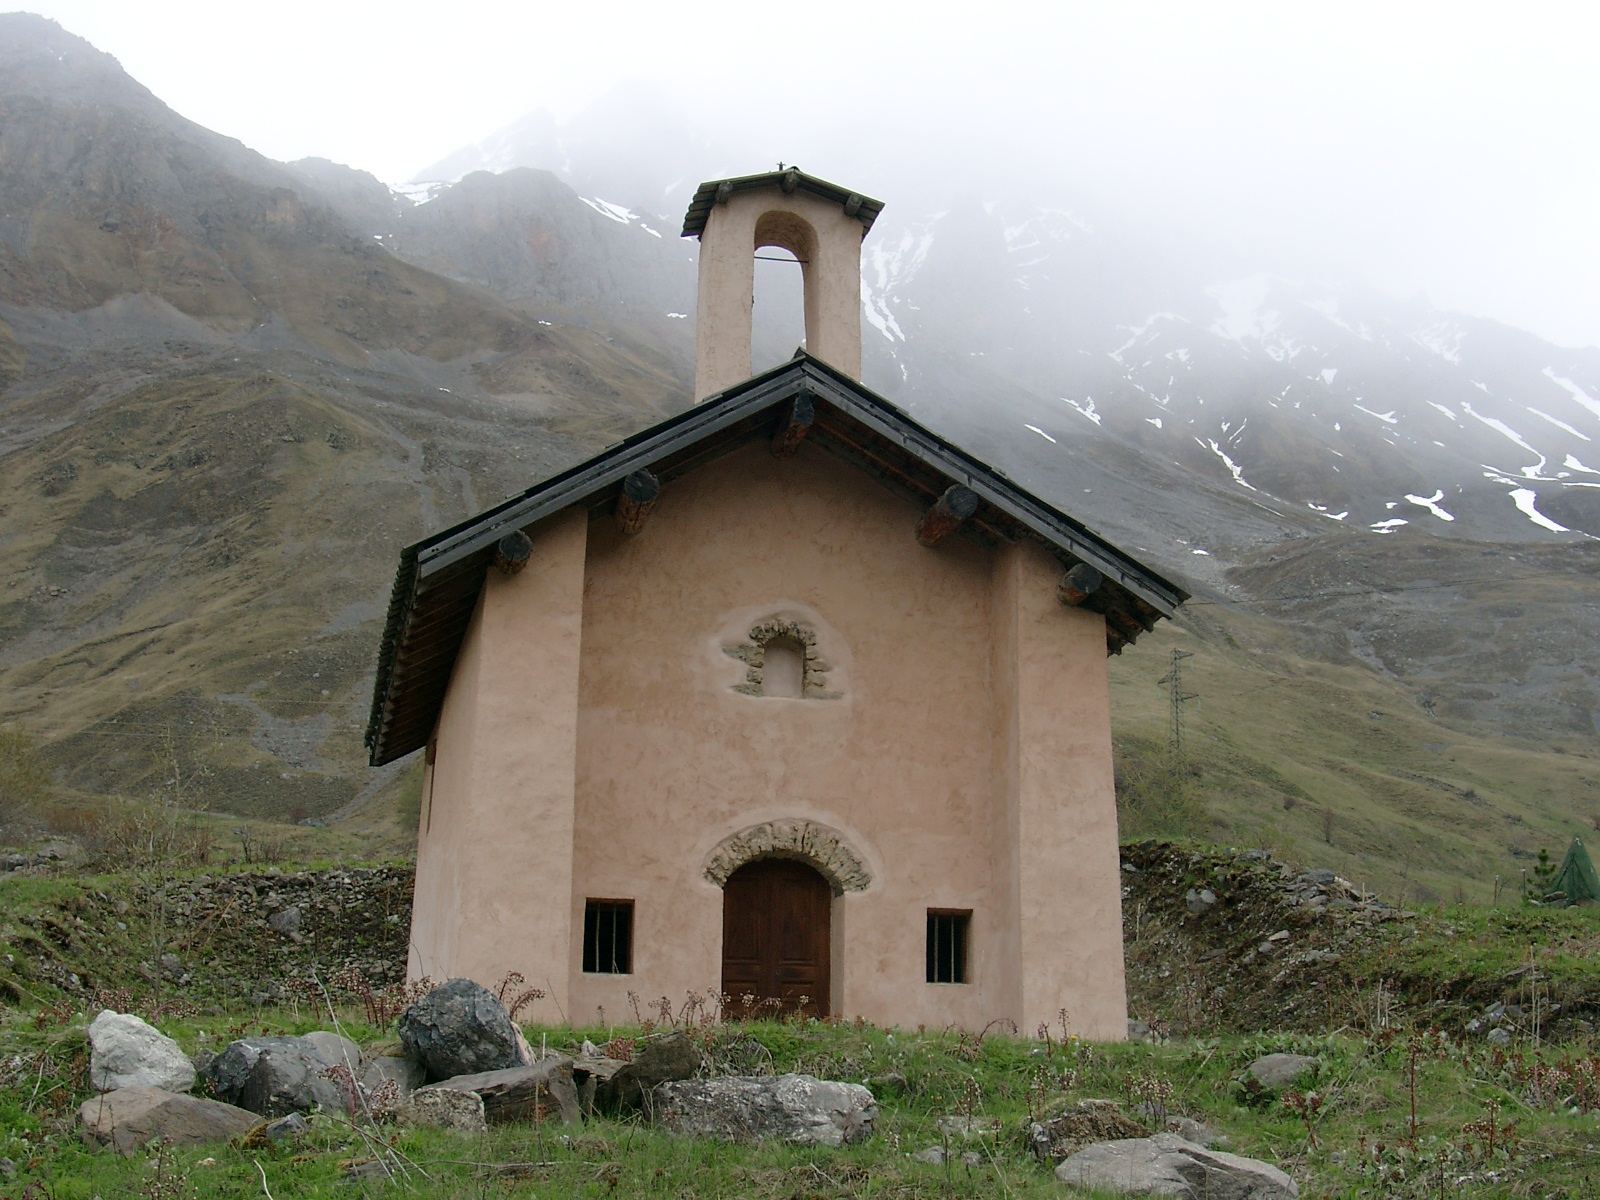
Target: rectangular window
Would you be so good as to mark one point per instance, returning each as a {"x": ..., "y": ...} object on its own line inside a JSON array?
[
  {"x": 947, "y": 944},
  {"x": 608, "y": 937}
]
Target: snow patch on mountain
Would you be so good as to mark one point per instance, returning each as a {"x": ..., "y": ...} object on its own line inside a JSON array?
[
  {"x": 1086, "y": 408},
  {"x": 1244, "y": 309},
  {"x": 1578, "y": 394},
  {"x": 1233, "y": 468},
  {"x": 1506, "y": 431},
  {"x": 417, "y": 193},
  {"x": 1431, "y": 503},
  {"x": 1443, "y": 339},
  {"x": 1527, "y": 501},
  {"x": 1558, "y": 423}
]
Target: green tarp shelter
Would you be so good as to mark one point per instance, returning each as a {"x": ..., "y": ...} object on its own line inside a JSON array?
[{"x": 1577, "y": 876}]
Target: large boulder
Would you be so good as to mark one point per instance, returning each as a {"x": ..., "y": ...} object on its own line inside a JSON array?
[
  {"x": 129, "y": 1118},
  {"x": 519, "y": 1093},
  {"x": 664, "y": 1058},
  {"x": 785, "y": 1108},
  {"x": 459, "y": 1028},
  {"x": 124, "y": 1052},
  {"x": 1167, "y": 1165},
  {"x": 275, "y": 1076}
]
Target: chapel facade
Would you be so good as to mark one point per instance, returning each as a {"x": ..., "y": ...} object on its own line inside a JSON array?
[{"x": 785, "y": 697}]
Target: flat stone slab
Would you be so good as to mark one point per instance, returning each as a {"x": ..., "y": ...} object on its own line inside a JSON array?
[
  {"x": 128, "y": 1118},
  {"x": 1167, "y": 1165},
  {"x": 515, "y": 1093},
  {"x": 785, "y": 1108},
  {"x": 444, "y": 1108}
]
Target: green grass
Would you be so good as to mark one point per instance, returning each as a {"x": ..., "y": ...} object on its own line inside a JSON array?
[{"x": 1360, "y": 1140}]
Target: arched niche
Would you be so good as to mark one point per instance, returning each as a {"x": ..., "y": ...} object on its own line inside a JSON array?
[{"x": 811, "y": 842}]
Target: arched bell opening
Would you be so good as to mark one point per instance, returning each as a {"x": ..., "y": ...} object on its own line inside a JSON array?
[{"x": 782, "y": 312}]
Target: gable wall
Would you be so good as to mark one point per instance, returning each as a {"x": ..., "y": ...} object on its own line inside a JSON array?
[{"x": 671, "y": 759}]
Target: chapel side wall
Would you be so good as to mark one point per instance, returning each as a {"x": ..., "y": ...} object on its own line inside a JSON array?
[
  {"x": 1068, "y": 865},
  {"x": 727, "y": 286},
  {"x": 672, "y": 759},
  {"x": 495, "y": 870},
  {"x": 441, "y": 852}
]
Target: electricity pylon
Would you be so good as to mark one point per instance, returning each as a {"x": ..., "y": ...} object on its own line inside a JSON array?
[{"x": 1173, "y": 679}]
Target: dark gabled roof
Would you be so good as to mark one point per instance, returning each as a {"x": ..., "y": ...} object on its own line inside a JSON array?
[
  {"x": 437, "y": 585},
  {"x": 708, "y": 195}
]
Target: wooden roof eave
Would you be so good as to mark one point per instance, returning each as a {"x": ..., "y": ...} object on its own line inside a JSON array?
[{"x": 438, "y": 581}]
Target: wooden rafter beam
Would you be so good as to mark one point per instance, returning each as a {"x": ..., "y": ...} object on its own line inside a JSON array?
[
  {"x": 1078, "y": 584},
  {"x": 793, "y": 424},
  {"x": 946, "y": 514},
  {"x": 636, "y": 498},
  {"x": 511, "y": 553}
]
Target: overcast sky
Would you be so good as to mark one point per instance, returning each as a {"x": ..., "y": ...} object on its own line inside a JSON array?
[{"x": 1446, "y": 149}]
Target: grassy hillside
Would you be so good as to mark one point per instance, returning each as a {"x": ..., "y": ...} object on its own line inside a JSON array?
[
  {"x": 1402, "y": 1097},
  {"x": 1360, "y": 708}
]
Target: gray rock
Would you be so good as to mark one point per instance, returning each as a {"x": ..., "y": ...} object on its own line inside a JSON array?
[
  {"x": 1199, "y": 900},
  {"x": 286, "y": 920},
  {"x": 1082, "y": 1123},
  {"x": 275, "y": 1076},
  {"x": 1274, "y": 1071},
  {"x": 124, "y": 1052},
  {"x": 1318, "y": 878},
  {"x": 665, "y": 1058},
  {"x": 1500, "y": 1035},
  {"x": 972, "y": 1159},
  {"x": 287, "y": 1129},
  {"x": 967, "y": 1128},
  {"x": 129, "y": 1118},
  {"x": 933, "y": 1156},
  {"x": 1191, "y": 1130},
  {"x": 1138, "y": 1031},
  {"x": 519, "y": 1092},
  {"x": 335, "y": 1050},
  {"x": 1167, "y": 1165},
  {"x": 786, "y": 1108},
  {"x": 459, "y": 1028},
  {"x": 444, "y": 1108},
  {"x": 406, "y": 1073}
]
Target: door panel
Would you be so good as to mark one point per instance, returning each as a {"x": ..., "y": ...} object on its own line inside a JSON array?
[{"x": 775, "y": 946}]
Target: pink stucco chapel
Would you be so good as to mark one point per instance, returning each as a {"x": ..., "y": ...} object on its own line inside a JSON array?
[{"x": 785, "y": 697}]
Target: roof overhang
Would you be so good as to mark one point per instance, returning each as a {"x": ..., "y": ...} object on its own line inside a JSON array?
[
  {"x": 439, "y": 578},
  {"x": 718, "y": 191}
]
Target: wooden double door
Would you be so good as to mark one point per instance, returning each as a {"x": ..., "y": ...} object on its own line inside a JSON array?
[{"x": 775, "y": 939}]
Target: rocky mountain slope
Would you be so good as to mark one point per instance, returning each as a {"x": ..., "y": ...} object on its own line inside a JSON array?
[
  {"x": 226, "y": 409},
  {"x": 231, "y": 390}
]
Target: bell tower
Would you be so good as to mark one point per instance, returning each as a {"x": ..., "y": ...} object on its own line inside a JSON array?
[{"x": 820, "y": 223}]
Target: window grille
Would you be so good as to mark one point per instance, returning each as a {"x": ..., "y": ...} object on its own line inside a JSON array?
[
  {"x": 608, "y": 937},
  {"x": 948, "y": 931}
]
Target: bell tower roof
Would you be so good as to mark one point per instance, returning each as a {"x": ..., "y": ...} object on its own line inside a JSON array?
[{"x": 787, "y": 181}]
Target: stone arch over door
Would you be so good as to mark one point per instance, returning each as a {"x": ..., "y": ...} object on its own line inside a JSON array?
[{"x": 821, "y": 846}]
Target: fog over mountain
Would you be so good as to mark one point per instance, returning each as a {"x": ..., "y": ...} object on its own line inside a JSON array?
[
  {"x": 1036, "y": 319},
  {"x": 233, "y": 388}
]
